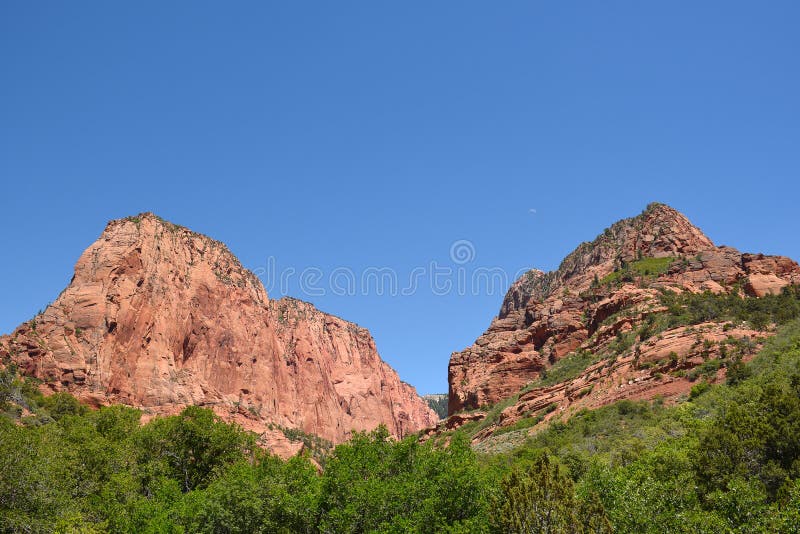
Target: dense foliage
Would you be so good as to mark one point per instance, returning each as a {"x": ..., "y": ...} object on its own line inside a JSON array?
[
  {"x": 643, "y": 267},
  {"x": 73, "y": 470},
  {"x": 726, "y": 460},
  {"x": 694, "y": 308}
]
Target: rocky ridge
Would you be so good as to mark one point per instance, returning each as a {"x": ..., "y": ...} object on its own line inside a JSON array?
[
  {"x": 604, "y": 307},
  {"x": 159, "y": 317}
]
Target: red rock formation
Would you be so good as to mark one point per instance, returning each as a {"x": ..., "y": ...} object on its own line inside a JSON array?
[
  {"x": 159, "y": 317},
  {"x": 654, "y": 370},
  {"x": 546, "y": 316}
]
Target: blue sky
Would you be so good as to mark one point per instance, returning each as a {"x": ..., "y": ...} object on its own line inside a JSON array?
[{"x": 375, "y": 134}]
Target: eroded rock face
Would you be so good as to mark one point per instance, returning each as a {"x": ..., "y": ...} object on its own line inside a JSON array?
[
  {"x": 546, "y": 316},
  {"x": 159, "y": 317},
  {"x": 657, "y": 369},
  {"x": 660, "y": 231}
]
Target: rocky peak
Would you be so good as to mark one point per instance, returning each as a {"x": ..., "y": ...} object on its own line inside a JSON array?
[
  {"x": 659, "y": 231},
  {"x": 601, "y": 293},
  {"x": 160, "y": 317},
  {"x": 157, "y": 241}
]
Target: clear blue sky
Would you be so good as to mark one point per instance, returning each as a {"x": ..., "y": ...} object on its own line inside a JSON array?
[{"x": 358, "y": 134}]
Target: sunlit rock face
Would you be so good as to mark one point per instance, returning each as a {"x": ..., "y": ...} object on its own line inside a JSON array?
[
  {"x": 546, "y": 316},
  {"x": 159, "y": 317}
]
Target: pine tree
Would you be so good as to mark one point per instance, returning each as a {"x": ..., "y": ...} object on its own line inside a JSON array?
[{"x": 541, "y": 500}]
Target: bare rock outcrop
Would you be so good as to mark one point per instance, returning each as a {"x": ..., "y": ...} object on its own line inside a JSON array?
[
  {"x": 602, "y": 291},
  {"x": 159, "y": 317}
]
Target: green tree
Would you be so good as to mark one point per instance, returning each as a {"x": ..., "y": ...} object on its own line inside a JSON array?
[
  {"x": 755, "y": 436},
  {"x": 36, "y": 479},
  {"x": 191, "y": 447},
  {"x": 540, "y": 498},
  {"x": 271, "y": 497},
  {"x": 374, "y": 483},
  {"x": 60, "y": 404}
]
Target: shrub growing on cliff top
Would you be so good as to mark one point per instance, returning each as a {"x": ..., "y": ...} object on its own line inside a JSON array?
[
  {"x": 642, "y": 267},
  {"x": 689, "y": 308}
]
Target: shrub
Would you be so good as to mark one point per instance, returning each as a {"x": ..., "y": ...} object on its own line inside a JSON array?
[{"x": 698, "y": 389}]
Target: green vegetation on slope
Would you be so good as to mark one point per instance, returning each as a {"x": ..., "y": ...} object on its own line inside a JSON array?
[
  {"x": 684, "y": 309},
  {"x": 644, "y": 267},
  {"x": 437, "y": 403},
  {"x": 689, "y": 308},
  {"x": 567, "y": 368},
  {"x": 727, "y": 460}
]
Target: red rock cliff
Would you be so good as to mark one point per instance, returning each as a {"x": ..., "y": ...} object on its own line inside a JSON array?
[
  {"x": 159, "y": 317},
  {"x": 546, "y": 316}
]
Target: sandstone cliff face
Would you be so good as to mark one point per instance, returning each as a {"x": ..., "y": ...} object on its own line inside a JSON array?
[
  {"x": 547, "y": 316},
  {"x": 159, "y": 317}
]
